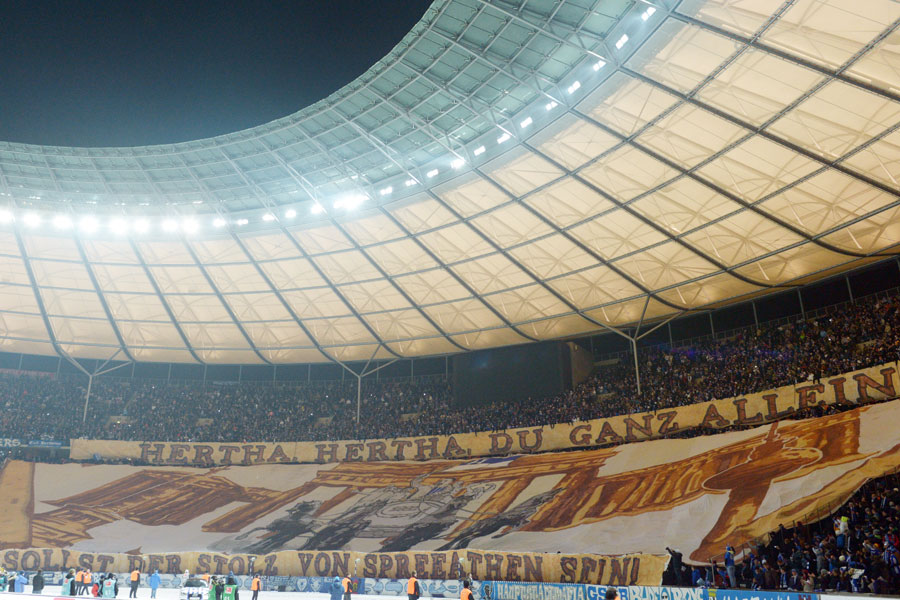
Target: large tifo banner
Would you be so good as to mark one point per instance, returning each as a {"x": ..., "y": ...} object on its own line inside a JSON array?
[
  {"x": 598, "y": 516},
  {"x": 858, "y": 387}
]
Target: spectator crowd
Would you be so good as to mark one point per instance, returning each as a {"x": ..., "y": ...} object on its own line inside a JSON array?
[
  {"x": 867, "y": 333},
  {"x": 855, "y": 550}
]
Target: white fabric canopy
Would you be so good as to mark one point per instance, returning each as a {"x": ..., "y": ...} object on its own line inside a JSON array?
[{"x": 729, "y": 148}]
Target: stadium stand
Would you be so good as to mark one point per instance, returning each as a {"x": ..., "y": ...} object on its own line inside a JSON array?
[
  {"x": 818, "y": 557},
  {"x": 842, "y": 339}
]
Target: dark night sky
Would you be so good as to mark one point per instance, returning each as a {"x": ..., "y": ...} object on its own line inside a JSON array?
[{"x": 129, "y": 72}]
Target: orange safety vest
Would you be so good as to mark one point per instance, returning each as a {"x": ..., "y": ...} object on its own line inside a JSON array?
[
  {"x": 205, "y": 577},
  {"x": 411, "y": 586},
  {"x": 87, "y": 577},
  {"x": 346, "y": 585},
  {"x": 254, "y": 585},
  {"x": 466, "y": 594},
  {"x": 135, "y": 575},
  {"x": 79, "y": 576}
]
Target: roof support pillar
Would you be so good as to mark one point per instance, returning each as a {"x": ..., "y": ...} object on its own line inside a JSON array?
[{"x": 637, "y": 370}]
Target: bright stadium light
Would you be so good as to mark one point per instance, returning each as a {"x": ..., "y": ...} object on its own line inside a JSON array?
[
  {"x": 574, "y": 87},
  {"x": 551, "y": 105},
  {"x": 410, "y": 182},
  {"x": 62, "y": 222},
  {"x": 170, "y": 225},
  {"x": 599, "y": 64},
  {"x": 622, "y": 41},
  {"x": 290, "y": 213},
  {"x": 478, "y": 151},
  {"x": 351, "y": 202},
  {"x": 241, "y": 222},
  {"x": 268, "y": 217},
  {"x": 431, "y": 173},
  {"x": 88, "y": 224},
  {"x": 32, "y": 219},
  {"x": 6, "y": 216},
  {"x": 219, "y": 222},
  {"x": 317, "y": 209},
  {"x": 503, "y": 138},
  {"x": 385, "y": 191},
  {"x": 648, "y": 13},
  {"x": 141, "y": 226},
  {"x": 190, "y": 226},
  {"x": 118, "y": 226},
  {"x": 526, "y": 122},
  {"x": 457, "y": 163}
]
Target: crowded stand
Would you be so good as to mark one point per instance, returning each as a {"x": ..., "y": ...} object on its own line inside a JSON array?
[
  {"x": 843, "y": 339},
  {"x": 856, "y": 550}
]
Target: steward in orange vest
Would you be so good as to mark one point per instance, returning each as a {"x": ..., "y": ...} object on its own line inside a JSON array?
[
  {"x": 347, "y": 586},
  {"x": 255, "y": 586},
  {"x": 135, "y": 582},
  {"x": 466, "y": 593},
  {"x": 412, "y": 587}
]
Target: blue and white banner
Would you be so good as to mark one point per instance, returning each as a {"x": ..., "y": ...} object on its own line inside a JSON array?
[
  {"x": 515, "y": 590},
  {"x": 719, "y": 594},
  {"x": 665, "y": 593},
  {"x": 45, "y": 443}
]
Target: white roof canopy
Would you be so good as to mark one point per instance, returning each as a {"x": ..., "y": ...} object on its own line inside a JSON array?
[{"x": 712, "y": 151}]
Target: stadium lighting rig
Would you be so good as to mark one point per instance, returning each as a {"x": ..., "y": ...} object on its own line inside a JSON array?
[{"x": 541, "y": 113}]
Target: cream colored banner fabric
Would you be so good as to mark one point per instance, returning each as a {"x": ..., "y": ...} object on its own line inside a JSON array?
[
  {"x": 495, "y": 566},
  {"x": 858, "y": 387},
  {"x": 694, "y": 494}
]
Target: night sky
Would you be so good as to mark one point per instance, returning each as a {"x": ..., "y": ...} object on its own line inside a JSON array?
[{"x": 126, "y": 73}]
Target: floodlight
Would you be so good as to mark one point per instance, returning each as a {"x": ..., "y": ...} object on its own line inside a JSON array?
[
  {"x": 503, "y": 138},
  {"x": 242, "y": 222},
  {"x": 351, "y": 202},
  {"x": 385, "y": 191},
  {"x": 599, "y": 64},
  {"x": 189, "y": 226},
  {"x": 457, "y": 163},
  {"x": 170, "y": 225},
  {"x": 551, "y": 105},
  {"x": 290, "y": 213},
  {"x": 219, "y": 222},
  {"x": 574, "y": 87},
  {"x": 5, "y": 216},
  {"x": 526, "y": 122},
  {"x": 268, "y": 217},
  {"x": 622, "y": 41},
  {"x": 648, "y": 13},
  {"x": 317, "y": 209},
  {"x": 141, "y": 226},
  {"x": 62, "y": 222},
  {"x": 88, "y": 224},
  {"x": 478, "y": 151},
  {"x": 32, "y": 219},
  {"x": 431, "y": 173},
  {"x": 118, "y": 225},
  {"x": 410, "y": 182}
]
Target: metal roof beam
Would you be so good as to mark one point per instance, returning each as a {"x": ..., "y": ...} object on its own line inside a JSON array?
[
  {"x": 225, "y": 305},
  {"x": 163, "y": 301}
]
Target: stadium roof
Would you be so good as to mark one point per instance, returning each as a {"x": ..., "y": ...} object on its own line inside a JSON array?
[{"x": 514, "y": 170}]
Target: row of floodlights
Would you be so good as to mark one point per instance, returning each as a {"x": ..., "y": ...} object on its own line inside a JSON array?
[
  {"x": 527, "y": 121},
  {"x": 119, "y": 225}
]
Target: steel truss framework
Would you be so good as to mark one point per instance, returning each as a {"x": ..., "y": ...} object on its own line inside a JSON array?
[{"x": 620, "y": 166}]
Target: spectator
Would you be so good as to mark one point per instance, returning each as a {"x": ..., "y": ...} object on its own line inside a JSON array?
[{"x": 37, "y": 582}]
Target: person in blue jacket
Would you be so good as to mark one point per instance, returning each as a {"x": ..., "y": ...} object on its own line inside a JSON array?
[
  {"x": 21, "y": 582},
  {"x": 153, "y": 582},
  {"x": 336, "y": 591}
]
